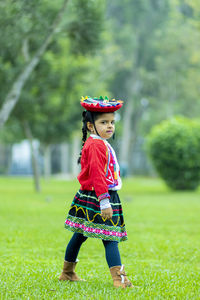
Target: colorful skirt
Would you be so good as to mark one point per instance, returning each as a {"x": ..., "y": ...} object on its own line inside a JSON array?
[{"x": 85, "y": 217}]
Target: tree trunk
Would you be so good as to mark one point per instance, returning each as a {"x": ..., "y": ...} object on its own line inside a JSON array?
[
  {"x": 9, "y": 158},
  {"x": 64, "y": 150},
  {"x": 15, "y": 91},
  {"x": 35, "y": 168},
  {"x": 5, "y": 158},
  {"x": 128, "y": 130},
  {"x": 126, "y": 134},
  {"x": 75, "y": 155},
  {"x": 47, "y": 161}
]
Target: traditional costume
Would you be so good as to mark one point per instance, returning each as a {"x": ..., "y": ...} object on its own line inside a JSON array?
[{"x": 99, "y": 179}]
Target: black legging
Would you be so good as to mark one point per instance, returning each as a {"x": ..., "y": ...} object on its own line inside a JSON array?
[{"x": 111, "y": 250}]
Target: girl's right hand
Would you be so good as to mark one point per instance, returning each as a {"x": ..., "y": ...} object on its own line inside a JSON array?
[{"x": 107, "y": 213}]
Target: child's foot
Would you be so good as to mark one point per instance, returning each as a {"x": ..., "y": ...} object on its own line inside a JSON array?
[
  {"x": 119, "y": 277},
  {"x": 68, "y": 272}
]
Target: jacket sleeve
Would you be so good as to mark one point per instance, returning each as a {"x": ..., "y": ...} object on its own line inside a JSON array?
[{"x": 98, "y": 159}]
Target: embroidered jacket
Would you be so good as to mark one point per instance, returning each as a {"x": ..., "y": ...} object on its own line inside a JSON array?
[{"x": 99, "y": 167}]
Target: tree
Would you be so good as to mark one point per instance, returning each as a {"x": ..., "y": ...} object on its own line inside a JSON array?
[
  {"x": 15, "y": 91},
  {"x": 48, "y": 94},
  {"x": 177, "y": 65},
  {"x": 155, "y": 68},
  {"x": 135, "y": 29},
  {"x": 76, "y": 27}
]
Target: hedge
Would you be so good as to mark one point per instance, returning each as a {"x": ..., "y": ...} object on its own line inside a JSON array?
[{"x": 174, "y": 148}]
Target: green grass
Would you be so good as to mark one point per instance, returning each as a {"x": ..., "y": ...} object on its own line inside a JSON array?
[{"x": 161, "y": 255}]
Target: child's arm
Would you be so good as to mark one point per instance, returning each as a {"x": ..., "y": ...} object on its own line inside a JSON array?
[{"x": 98, "y": 159}]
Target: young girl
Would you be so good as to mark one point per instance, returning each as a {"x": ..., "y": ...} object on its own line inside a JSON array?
[{"x": 96, "y": 209}]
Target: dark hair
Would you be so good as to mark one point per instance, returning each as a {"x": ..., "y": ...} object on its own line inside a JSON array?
[{"x": 91, "y": 117}]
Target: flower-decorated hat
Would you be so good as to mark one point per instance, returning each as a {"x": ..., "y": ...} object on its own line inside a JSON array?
[{"x": 101, "y": 104}]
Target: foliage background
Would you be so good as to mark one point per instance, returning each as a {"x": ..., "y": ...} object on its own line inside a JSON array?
[
  {"x": 174, "y": 147},
  {"x": 144, "y": 52}
]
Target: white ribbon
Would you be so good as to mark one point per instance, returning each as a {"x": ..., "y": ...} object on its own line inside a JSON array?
[{"x": 122, "y": 276}]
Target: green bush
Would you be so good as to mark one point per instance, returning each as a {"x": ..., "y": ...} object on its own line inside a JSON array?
[{"x": 174, "y": 148}]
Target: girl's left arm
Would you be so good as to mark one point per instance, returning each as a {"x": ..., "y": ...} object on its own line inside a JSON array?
[{"x": 97, "y": 169}]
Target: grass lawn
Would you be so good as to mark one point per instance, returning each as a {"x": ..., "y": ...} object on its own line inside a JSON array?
[{"x": 161, "y": 256}]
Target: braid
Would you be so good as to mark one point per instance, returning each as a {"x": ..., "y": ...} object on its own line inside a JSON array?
[
  {"x": 88, "y": 116},
  {"x": 84, "y": 137}
]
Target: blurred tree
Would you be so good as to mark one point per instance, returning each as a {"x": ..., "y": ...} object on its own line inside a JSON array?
[
  {"x": 152, "y": 61},
  {"x": 134, "y": 31},
  {"x": 15, "y": 91},
  {"x": 178, "y": 63},
  {"x": 172, "y": 85},
  {"x": 44, "y": 110},
  {"x": 25, "y": 21}
]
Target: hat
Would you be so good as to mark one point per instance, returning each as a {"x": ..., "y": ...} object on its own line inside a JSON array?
[{"x": 100, "y": 104}]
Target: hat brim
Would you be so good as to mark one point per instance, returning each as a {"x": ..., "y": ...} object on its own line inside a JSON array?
[{"x": 99, "y": 108}]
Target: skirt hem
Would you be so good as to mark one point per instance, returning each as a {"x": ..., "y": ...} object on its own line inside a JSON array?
[
  {"x": 98, "y": 236},
  {"x": 90, "y": 229}
]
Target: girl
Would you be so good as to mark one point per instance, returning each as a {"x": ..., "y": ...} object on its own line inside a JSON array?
[{"x": 96, "y": 209}]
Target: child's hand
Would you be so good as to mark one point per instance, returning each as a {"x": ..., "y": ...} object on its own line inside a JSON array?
[{"x": 107, "y": 213}]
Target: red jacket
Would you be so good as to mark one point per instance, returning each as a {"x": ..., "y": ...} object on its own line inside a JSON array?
[{"x": 98, "y": 168}]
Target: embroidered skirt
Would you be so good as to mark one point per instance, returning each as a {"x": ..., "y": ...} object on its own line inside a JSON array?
[{"x": 85, "y": 217}]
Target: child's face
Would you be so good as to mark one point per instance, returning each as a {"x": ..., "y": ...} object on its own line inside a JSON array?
[{"x": 105, "y": 125}]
